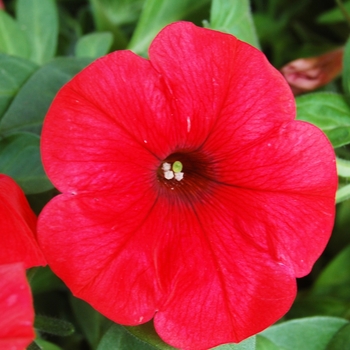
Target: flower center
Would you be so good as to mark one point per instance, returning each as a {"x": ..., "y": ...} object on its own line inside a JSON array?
[
  {"x": 187, "y": 174},
  {"x": 173, "y": 171}
]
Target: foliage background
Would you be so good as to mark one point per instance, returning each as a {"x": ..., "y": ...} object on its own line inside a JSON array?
[{"x": 44, "y": 43}]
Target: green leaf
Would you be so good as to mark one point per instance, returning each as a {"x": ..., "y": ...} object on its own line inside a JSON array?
[
  {"x": 115, "y": 13},
  {"x": 20, "y": 159},
  {"x": 333, "y": 16},
  {"x": 13, "y": 73},
  {"x": 309, "y": 304},
  {"x": 346, "y": 70},
  {"x": 34, "y": 346},
  {"x": 329, "y": 112},
  {"x": 343, "y": 167},
  {"x": 247, "y": 344},
  {"x": 29, "y": 107},
  {"x": 39, "y": 19},
  {"x": 44, "y": 280},
  {"x": 343, "y": 194},
  {"x": 71, "y": 29},
  {"x": 90, "y": 321},
  {"x": 111, "y": 15},
  {"x": 45, "y": 345},
  {"x": 156, "y": 15},
  {"x": 147, "y": 333},
  {"x": 335, "y": 278},
  {"x": 263, "y": 343},
  {"x": 234, "y": 17},
  {"x": 13, "y": 40},
  {"x": 341, "y": 339},
  {"x": 53, "y": 326},
  {"x": 94, "y": 45},
  {"x": 144, "y": 337},
  {"x": 118, "y": 337},
  {"x": 311, "y": 333}
]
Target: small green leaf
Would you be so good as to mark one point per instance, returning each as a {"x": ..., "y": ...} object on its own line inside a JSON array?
[
  {"x": 111, "y": 15},
  {"x": 90, "y": 321},
  {"x": 341, "y": 339},
  {"x": 309, "y": 304},
  {"x": 335, "y": 278},
  {"x": 94, "y": 45},
  {"x": 34, "y": 346},
  {"x": 144, "y": 337},
  {"x": 53, "y": 326},
  {"x": 45, "y": 345},
  {"x": 13, "y": 40},
  {"x": 29, "y": 107},
  {"x": 147, "y": 333},
  {"x": 118, "y": 337},
  {"x": 247, "y": 344},
  {"x": 343, "y": 194},
  {"x": 234, "y": 17},
  {"x": 44, "y": 280},
  {"x": 329, "y": 112},
  {"x": 14, "y": 72},
  {"x": 157, "y": 14},
  {"x": 20, "y": 159},
  {"x": 263, "y": 343},
  {"x": 115, "y": 13},
  {"x": 39, "y": 19},
  {"x": 346, "y": 70},
  {"x": 311, "y": 333},
  {"x": 71, "y": 29},
  {"x": 343, "y": 167}
]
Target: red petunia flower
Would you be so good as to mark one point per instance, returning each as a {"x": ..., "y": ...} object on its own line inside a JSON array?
[
  {"x": 16, "y": 305},
  {"x": 17, "y": 227},
  {"x": 190, "y": 194}
]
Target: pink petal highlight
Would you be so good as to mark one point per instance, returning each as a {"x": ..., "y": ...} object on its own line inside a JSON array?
[{"x": 16, "y": 305}]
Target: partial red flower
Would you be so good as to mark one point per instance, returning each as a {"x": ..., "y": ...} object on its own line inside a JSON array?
[
  {"x": 190, "y": 194},
  {"x": 16, "y": 305},
  {"x": 18, "y": 250},
  {"x": 17, "y": 227}
]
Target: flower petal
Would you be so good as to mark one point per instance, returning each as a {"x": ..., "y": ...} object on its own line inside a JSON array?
[
  {"x": 220, "y": 83},
  {"x": 103, "y": 253},
  {"x": 113, "y": 121},
  {"x": 216, "y": 279},
  {"x": 17, "y": 227},
  {"x": 16, "y": 305},
  {"x": 291, "y": 186}
]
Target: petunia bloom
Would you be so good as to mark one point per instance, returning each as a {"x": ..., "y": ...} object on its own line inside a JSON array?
[
  {"x": 16, "y": 305},
  {"x": 17, "y": 227},
  {"x": 190, "y": 194}
]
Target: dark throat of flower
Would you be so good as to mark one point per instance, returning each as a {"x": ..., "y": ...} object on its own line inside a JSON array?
[{"x": 187, "y": 175}]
